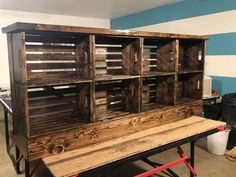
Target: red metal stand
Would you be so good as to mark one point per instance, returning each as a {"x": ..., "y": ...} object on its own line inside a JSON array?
[
  {"x": 35, "y": 168},
  {"x": 183, "y": 159}
]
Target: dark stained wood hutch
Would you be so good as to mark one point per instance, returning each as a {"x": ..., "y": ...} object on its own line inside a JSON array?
[{"x": 75, "y": 86}]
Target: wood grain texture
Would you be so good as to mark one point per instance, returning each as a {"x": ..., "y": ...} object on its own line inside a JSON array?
[
  {"x": 84, "y": 135},
  {"x": 81, "y": 160}
]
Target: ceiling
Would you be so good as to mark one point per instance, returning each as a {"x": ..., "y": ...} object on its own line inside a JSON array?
[{"x": 84, "y": 8}]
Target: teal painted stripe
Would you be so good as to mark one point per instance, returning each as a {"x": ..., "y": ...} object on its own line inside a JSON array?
[
  {"x": 180, "y": 10},
  {"x": 224, "y": 84},
  {"x": 221, "y": 44}
]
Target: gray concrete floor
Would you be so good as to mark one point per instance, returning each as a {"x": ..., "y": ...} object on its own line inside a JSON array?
[{"x": 207, "y": 165}]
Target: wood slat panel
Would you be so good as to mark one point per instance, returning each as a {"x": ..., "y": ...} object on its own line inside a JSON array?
[
  {"x": 49, "y": 57},
  {"x": 53, "y": 108},
  {"x": 39, "y": 66},
  {"x": 49, "y": 48},
  {"x": 50, "y": 100}
]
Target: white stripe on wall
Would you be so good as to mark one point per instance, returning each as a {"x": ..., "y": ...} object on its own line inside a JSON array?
[
  {"x": 220, "y": 65},
  {"x": 223, "y": 22}
]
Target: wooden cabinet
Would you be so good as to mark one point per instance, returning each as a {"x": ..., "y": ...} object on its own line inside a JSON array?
[{"x": 75, "y": 86}]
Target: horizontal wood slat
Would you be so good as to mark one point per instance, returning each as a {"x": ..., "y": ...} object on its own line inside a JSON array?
[
  {"x": 49, "y": 48},
  {"x": 49, "y": 57}
]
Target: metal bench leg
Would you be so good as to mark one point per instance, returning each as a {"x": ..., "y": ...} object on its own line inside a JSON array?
[
  {"x": 192, "y": 154},
  {"x": 27, "y": 168},
  {"x": 8, "y": 146},
  {"x": 17, "y": 160}
]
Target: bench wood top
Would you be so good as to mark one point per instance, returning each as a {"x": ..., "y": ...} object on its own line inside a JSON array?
[{"x": 93, "y": 156}]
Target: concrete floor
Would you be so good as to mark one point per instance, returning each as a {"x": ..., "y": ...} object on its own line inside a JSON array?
[{"x": 207, "y": 165}]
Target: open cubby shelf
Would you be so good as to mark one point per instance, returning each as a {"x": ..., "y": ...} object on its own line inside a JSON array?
[
  {"x": 189, "y": 87},
  {"x": 191, "y": 55},
  {"x": 159, "y": 56},
  {"x": 116, "y": 57},
  {"x": 75, "y": 86},
  {"x": 157, "y": 92},
  {"x": 116, "y": 98},
  {"x": 56, "y": 107},
  {"x": 57, "y": 59}
]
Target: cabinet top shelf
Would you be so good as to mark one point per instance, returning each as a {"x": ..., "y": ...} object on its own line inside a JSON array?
[{"x": 33, "y": 27}]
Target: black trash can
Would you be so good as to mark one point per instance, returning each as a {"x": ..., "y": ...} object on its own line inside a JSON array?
[
  {"x": 212, "y": 111},
  {"x": 229, "y": 116}
]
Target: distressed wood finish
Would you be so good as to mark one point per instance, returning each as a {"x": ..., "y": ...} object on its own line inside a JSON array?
[
  {"x": 73, "y": 138},
  {"x": 75, "y": 86}
]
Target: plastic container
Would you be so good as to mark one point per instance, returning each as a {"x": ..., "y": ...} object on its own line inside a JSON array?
[{"x": 216, "y": 143}]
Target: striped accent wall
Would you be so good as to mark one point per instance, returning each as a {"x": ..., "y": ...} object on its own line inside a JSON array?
[{"x": 215, "y": 18}]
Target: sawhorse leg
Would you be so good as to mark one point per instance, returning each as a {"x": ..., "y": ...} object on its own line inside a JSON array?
[
  {"x": 8, "y": 147},
  {"x": 27, "y": 168},
  {"x": 29, "y": 173},
  {"x": 192, "y": 155},
  {"x": 18, "y": 159},
  {"x": 184, "y": 159}
]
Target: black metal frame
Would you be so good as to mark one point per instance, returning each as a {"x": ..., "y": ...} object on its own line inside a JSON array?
[
  {"x": 133, "y": 158},
  {"x": 13, "y": 158}
]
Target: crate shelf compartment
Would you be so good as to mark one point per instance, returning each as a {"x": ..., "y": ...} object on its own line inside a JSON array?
[
  {"x": 191, "y": 55},
  {"x": 59, "y": 107},
  {"x": 189, "y": 87},
  {"x": 159, "y": 56},
  {"x": 53, "y": 59},
  {"x": 157, "y": 92},
  {"x": 116, "y": 57},
  {"x": 114, "y": 99}
]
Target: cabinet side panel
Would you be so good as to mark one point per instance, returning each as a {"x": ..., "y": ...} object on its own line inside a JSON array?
[
  {"x": 18, "y": 97},
  {"x": 19, "y": 58}
]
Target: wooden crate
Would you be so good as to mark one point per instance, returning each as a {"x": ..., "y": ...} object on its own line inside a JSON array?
[
  {"x": 189, "y": 87},
  {"x": 116, "y": 57},
  {"x": 158, "y": 92},
  {"x": 76, "y": 86},
  {"x": 159, "y": 56},
  {"x": 191, "y": 55},
  {"x": 116, "y": 98}
]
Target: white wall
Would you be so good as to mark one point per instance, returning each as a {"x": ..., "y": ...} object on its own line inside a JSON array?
[{"x": 9, "y": 17}]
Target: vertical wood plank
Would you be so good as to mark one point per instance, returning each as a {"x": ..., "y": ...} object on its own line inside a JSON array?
[
  {"x": 166, "y": 56},
  {"x": 127, "y": 58},
  {"x": 12, "y": 81},
  {"x": 177, "y": 55},
  {"x": 92, "y": 105}
]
